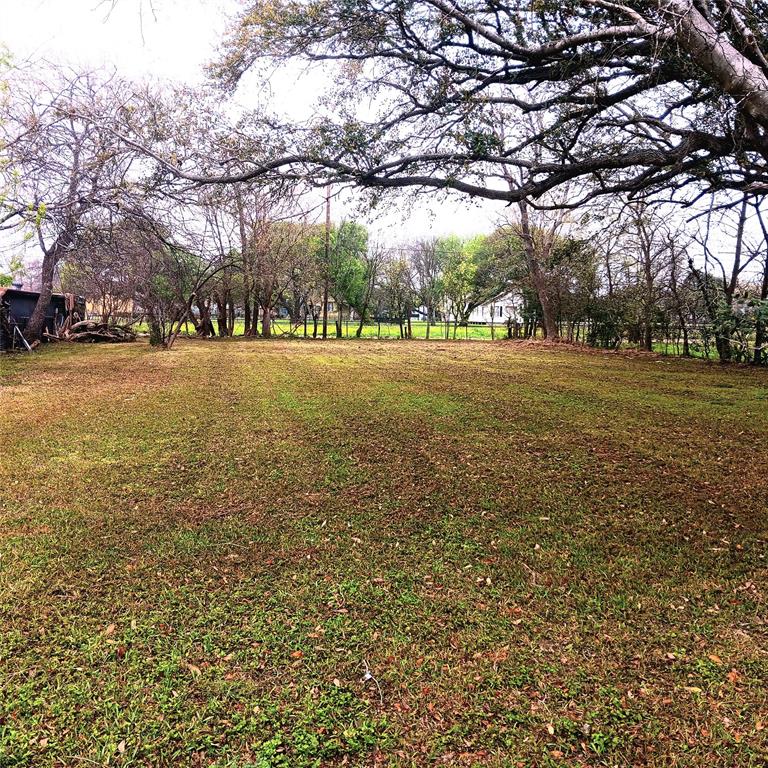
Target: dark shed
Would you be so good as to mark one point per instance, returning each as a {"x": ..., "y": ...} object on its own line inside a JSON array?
[{"x": 16, "y": 307}]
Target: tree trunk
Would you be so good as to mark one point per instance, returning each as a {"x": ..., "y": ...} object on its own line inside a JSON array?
[
  {"x": 736, "y": 74},
  {"x": 679, "y": 310},
  {"x": 246, "y": 258},
  {"x": 266, "y": 322},
  {"x": 221, "y": 316},
  {"x": 254, "y": 328},
  {"x": 246, "y": 314},
  {"x": 34, "y": 328},
  {"x": 204, "y": 326},
  {"x": 325, "y": 309},
  {"x": 648, "y": 336},
  {"x": 537, "y": 275},
  {"x": 761, "y": 337},
  {"x": 155, "y": 331}
]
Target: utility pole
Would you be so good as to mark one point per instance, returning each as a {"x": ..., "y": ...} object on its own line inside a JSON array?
[{"x": 327, "y": 257}]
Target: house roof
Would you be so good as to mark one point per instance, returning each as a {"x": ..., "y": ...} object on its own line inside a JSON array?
[{"x": 11, "y": 292}]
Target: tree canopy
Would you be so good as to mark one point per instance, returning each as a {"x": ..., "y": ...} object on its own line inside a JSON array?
[{"x": 506, "y": 101}]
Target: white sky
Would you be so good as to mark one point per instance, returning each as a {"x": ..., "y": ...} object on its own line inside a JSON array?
[{"x": 175, "y": 43}]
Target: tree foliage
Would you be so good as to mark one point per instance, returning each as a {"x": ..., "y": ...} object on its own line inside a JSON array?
[{"x": 508, "y": 100}]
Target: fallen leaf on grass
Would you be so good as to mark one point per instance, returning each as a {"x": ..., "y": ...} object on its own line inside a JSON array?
[
  {"x": 194, "y": 670},
  {"x": 502, "y": 654}
]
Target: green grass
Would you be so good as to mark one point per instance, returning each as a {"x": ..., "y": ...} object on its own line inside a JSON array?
[
  {"x": 437, "y": 332},
  {"x": 544, "y": 557},
  {"x": 383, "y": 330}
]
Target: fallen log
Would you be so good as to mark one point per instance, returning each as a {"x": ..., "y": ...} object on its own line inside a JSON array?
[{"x": 92, "y": 332}]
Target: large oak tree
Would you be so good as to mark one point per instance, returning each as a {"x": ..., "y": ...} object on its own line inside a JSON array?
[{"x": 618, "y": 96}]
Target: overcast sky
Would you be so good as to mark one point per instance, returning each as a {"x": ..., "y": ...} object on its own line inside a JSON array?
[{"x": 175, "y": 43}]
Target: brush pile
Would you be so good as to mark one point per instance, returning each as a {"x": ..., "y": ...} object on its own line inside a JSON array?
[{"x": 93, "y": 332}]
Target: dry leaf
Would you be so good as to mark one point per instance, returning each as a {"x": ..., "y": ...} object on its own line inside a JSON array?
[
  {"x": 121, "y": 747},
  {"x": 110, "y": 630}
]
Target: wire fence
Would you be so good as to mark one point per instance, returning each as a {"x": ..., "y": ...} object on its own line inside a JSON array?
[{"x": 696, "y": 340}]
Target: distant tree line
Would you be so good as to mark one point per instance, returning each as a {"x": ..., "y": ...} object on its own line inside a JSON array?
[
  {"x": 113, "y": 222},
  {"x": 633, "y": 282}
]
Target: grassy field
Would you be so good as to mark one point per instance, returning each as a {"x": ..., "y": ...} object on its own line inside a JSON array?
[
  {"x": 383, "y": 330},
  {"x": 283, "y": 329},
  {"x": 254, "y": 553}
]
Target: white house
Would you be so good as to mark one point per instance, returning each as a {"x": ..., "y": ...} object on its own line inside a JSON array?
[{"x": 498, "y": 311}]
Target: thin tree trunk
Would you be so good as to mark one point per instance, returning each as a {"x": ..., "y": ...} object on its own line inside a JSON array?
[
  {"x": 325, "y": 309},
  {"x": 246, "y": 314},
  {"x": 537, "y": 275},
  {"x": 244, "y": 255},
  {"x": 221, "y": 316},
  {"x": 231, "y": 317},
  {"x": 34, "y": 328},
  {"x": 761, "y": 337},
  {"x": 327, "y": 247}
]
